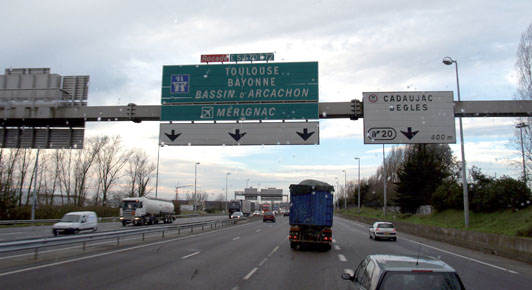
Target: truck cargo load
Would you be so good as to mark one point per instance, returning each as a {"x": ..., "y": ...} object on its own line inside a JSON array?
[
  {"x": 311, "y": 213},
  {"x": 145, "y": 210}
]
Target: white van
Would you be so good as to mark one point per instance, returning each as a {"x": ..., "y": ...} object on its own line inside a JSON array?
[{"x": 74, "y": 222}]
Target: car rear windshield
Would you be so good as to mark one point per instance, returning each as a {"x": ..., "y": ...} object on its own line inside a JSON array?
[
  {"x": 385, "y": 226},
  {"x": 420, "y": 281},
  {"x": 70, "y": 218}
]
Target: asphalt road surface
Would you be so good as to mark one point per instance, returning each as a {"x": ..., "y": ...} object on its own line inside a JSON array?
[{"x": 253, "y": 255}]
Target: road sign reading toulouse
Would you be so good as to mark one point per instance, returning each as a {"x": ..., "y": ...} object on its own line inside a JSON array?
[
  {"x": 409, "y": 117},
  {"x": 256, "y": 82},
  {"x": 275, "y": 133}
]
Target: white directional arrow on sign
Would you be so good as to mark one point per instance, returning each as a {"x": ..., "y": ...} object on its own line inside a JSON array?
[{"x": 265, "y": 133}]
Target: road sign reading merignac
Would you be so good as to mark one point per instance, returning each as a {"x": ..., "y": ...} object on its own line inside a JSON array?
[
  {"x": 256, "y": 82},
  {"x": 249, "y": 111},
  {"x": 409, "y": 117}
]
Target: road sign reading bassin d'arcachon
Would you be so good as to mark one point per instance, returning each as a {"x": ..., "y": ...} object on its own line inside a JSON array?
[{"x": 255, "y": 82}]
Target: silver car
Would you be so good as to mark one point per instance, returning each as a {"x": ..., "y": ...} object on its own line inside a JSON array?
[
  {"x": 383, "y": 230},
  {"x": 386, "y": 272}
]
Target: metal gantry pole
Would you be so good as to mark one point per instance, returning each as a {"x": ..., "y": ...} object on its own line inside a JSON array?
[
  {"x": 384, "y": 177},
  {"x": 195, "y": 182}
]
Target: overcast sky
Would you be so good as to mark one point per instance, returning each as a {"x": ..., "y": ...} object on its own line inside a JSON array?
[{"x": 361, "y": 46}]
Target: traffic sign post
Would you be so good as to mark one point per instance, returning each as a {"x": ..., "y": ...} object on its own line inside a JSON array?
[
  {"x": 264, "y": 133},
  {"x": 409, "y": 117}
]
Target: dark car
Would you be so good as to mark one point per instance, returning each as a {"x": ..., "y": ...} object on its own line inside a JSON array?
[
  {"x": 286, "y": 213},
  {"x": 404, "y": 272},
  {"x": 268, "y": 216}
]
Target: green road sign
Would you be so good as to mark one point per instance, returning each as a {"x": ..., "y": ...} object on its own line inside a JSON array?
[
  {"x": 255, "y": 82},
  {"x": 217, "y": 112}
]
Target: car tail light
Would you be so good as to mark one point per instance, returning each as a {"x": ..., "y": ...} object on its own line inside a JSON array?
[
  {"x": 377, "y": 230},
  {"x": 393, "y": 230}
]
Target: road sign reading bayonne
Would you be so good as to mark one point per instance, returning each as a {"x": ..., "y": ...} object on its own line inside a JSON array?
[
  {"x": 256, "y": 82},
  {"x": 409, "y": 117}
]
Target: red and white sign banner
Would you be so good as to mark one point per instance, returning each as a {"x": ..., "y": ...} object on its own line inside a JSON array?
[{"x": 214, "y": 57}]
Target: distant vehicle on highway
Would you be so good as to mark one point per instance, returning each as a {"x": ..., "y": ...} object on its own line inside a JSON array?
[
  {"x": 383, "y": 230},
  {"x": 256, "y": 213},
  {"x": 237, "y": 215},
  {"x": 286, "y": 213},
  {"x": 74, "y": 222},
  {"x": 404, "y": 272},
  {"x": 268, "y": 216},
  {"x": 144, "y": 210}
]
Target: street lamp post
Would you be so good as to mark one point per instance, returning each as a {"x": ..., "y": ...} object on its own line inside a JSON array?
[
  {"x": 449, "y": 61},
  {"x": 157, "y": 173},
  {"x": 345, "y": 190},
  {"x": 521, "y": 126},
  {"x": 247, "y": 180},
  {"x": 358, "y": 207},
  {"x": 226, "y": 175},
  {"x": 337, "y": 206},
  {"x": 384, "y": 177},
  {"x": 195, "y": 182}
]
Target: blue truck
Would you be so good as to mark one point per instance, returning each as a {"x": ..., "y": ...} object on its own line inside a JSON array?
[{"x": 311, "y": 214}]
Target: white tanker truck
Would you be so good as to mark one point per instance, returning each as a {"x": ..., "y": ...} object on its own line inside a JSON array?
[{"x": 144, "y": 210}]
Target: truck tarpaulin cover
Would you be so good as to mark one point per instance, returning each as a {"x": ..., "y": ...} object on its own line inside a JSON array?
[{"x": 311, "y": 203}]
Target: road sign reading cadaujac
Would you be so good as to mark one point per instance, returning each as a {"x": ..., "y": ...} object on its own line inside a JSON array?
[
  {"x": 409, "y": 117},
  {"x": 256, "y": 82}
]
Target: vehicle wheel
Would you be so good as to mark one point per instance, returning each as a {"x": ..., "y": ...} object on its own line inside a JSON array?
[
  {"x": 394, "y": 239},
  {"x": 370, "y": 236},
  {"x": 123, "y": 224},
  {"x": 76, "y": 231},
  {"x": 293, "y": 245},
  {"x": 55, "y": 232},
  {"x": 94, "y": 229},
  {"x": 326, "y": 247}
]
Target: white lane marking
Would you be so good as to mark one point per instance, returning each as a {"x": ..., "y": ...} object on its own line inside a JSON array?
[
  {"x": 342, "y": 258},
  {"x": 251, "y": 273},
  {"x": 273, "y": 251},
  {"x": 235, "y": 288},
  {"x": 334, "y": 241},
  {"x": 336, "y": 247},
  {"x": 236, "y": 238},
  {"x": 262, "y": 262},
  {"x": 467, "y": 258},
  {"x": 117, "y": 251},
  {"x": 349, "y": 271},
  {"x": 188, "y": 256},
  {"x": 259, "y": 230},
  {"x": 11, "y": 233}
]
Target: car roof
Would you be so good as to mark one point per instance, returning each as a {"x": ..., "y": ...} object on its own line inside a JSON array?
[
  {"x": 409, "y": 263},
  {"x": 81, "y": 212}
]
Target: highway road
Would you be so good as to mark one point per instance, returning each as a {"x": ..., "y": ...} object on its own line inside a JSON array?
[
  {"x": 252, "y": 255},
  {"x": 32, "y": 232}
]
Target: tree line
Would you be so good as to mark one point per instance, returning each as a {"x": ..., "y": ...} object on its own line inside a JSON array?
[
  {"x": 71, "y": 176},
  {"x": 428, "y": 174}
]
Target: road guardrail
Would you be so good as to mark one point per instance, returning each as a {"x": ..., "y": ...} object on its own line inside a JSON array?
[{"x": 36, "y": 244}]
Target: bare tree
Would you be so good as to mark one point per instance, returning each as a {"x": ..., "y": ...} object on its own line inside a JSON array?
[
  {"x": 84, "y": 160},
  {"x": 110, "y": 161},
  {"x": 523, "y": 67},
  {"x": 139, "y": 171}
]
